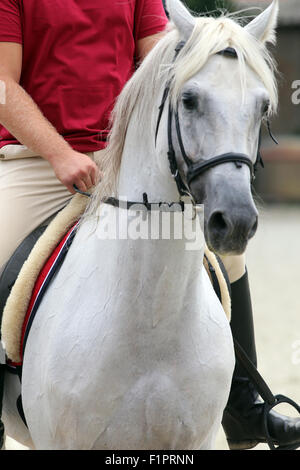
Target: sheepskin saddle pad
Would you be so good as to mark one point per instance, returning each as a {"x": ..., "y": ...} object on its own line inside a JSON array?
[
  {"x": 44, "y": 260},
  {"x": 23, "y": 274}
]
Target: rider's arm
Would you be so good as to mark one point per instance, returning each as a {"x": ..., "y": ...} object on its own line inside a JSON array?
[
  {"x": 145, "y": 45},
  {"x": 150, "y": 25},
  {"x": 22, "y": 118}
]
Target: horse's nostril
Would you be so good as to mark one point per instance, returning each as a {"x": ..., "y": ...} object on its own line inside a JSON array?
[
  {"x": 254, "y": 228},
  {"x": 217, "y": 222}
]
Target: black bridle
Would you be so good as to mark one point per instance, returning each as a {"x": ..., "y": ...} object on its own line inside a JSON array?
[
  {"x": 194, "y": 168},
  {"x": 197, "y": 168}
]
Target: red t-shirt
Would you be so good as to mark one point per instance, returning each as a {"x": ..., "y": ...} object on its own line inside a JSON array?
[{"x": 77, "y": 56}]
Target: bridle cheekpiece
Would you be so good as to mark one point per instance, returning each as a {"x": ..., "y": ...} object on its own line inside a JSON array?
[{"x": 197, "y": 168}]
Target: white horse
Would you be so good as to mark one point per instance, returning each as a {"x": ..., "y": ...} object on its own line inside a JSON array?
[{"x": 130, "y": 347}]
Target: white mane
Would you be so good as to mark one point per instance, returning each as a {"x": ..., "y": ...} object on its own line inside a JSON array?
[{"x": 209, "y": 36}]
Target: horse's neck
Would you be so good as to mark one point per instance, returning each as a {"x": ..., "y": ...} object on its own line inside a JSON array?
[
  {"x": 155, "y": 276},
  {"x": 142, "y": 170},
  {"x": 168, "y": 268},
  {"x": 164, "y": 276}
]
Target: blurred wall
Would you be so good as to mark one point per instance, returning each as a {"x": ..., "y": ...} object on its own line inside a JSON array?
[{"x": 280, "y": 181}]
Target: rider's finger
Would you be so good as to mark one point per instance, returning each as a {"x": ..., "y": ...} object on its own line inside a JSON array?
[
  {"x": 71, "y": 189},
  {"x": 95, "y": 176},
  {"x": 88, "y": 181}
]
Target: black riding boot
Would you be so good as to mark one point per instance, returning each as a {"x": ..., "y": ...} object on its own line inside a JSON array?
[
  {"x": 243, "y": 415},
  {"x": 2, "y": 371}
]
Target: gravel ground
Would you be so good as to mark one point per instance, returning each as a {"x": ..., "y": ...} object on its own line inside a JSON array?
[{"x": 273, "y": 260}]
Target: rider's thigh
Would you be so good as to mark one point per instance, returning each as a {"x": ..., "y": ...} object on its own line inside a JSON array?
[
  {"x": 235, "y": 266},
  {"x": 30, "y": 193}
]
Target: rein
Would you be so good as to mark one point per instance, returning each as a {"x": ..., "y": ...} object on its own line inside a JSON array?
[{"x": 149, "y": 206}]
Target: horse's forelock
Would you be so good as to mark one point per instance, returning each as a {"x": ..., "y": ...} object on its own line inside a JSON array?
[{"x": 211, "y": 35}]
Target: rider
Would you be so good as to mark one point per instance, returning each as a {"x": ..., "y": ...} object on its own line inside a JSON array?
[{"x": 61, "y": 67}]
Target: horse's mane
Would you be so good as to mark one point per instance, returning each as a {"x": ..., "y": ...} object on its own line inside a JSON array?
[{"x": 210, "y": 35}]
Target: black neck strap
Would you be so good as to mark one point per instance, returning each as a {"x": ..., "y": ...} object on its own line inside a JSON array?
[{"x": 145, "y": 205}]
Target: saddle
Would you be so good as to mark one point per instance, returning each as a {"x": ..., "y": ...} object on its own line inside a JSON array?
[{"x": 15, "y": 263}]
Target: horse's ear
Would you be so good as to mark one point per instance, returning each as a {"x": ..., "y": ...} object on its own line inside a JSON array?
[
  {"x": 263, "y": 26},
  {"x": 181, "y": 17}
]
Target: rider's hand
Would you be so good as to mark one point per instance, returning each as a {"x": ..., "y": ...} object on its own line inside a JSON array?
[{"x": 76, "y": 168}]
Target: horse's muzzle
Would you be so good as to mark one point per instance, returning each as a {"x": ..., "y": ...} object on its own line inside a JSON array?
[{"x": 229, "y": 232}]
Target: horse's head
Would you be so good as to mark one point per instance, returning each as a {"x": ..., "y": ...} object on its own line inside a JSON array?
[{"x": 218, "y": 101}]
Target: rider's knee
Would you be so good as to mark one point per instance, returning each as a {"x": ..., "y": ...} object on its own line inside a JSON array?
[{"x": 235, "y": 266}]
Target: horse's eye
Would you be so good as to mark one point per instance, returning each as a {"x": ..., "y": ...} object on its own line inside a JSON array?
[{"x": 189, "y": 101}]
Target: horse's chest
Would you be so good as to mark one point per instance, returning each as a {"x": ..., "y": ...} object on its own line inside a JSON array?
[
  {"x": 163, "y": 410},
  {"x": 168, "y": 394}
]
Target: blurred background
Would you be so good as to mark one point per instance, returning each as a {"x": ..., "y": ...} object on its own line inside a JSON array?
[{"x": 273, "y": 255}]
